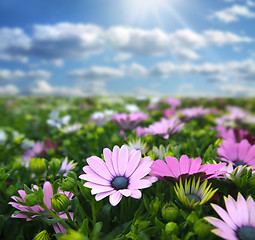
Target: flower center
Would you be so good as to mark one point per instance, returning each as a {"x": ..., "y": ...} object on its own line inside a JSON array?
[
  {"x": 246, "y": 233},
  {"x": 193, "y": 196},
  {"x": 239, "y": 163},
  {"x": 120, "y": 183}
]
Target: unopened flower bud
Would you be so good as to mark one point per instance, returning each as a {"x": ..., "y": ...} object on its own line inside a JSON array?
[
  {"x": 32, "y": 199},
  {"x": 202, "y": 229},
  {"x": 60, "y": 202},
  {"x": 37, "y": 165},
  {"x": 170, "y": 212},
  {"x": 43, "y": 235},
  {"x": 172, "y": 228},
  {"x": 68, "y": 184},
  {"x": 74, "y": 235},
  {"x": 55, "y": 164}
]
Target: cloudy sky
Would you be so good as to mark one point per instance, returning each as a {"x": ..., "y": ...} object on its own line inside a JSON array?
[{"x": 127, "y": 47}]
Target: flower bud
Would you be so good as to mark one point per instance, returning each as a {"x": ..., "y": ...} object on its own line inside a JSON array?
[
  {"x": 55, "y": 164},
  {"x": 43, "y": 235},
  {"x": 172, "y": 228},
  {"x": 32, "y": 199},
  {"x": 202, "y": 229},
  {"x": 68, "y": 184},
  {"x": 74, "y": 235},
  {"x": 60, "y": 202},
  {"x": 170, "y": 212},
  {"x": 37, "y": 165}
]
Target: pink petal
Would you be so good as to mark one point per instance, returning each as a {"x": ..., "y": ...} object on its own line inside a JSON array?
[
  {"x": 125, "y": 192},
  {"x": 185, "y": 164},
  {"x": 59, "y": 228},
  {"x": 132, "y": 163},
  {"x": 242, "y": 209},
  {"x": 159, "y": 168},
  {"x": 232, "y": 210},
  {"x": 250, "y": 155},
  {"x": 108, "y": 160},
  {"x": 100, "y": 196},
  {"x": 142, "y": 169},
  {"x": 48, "y": 194},
  {"x": 99, "y": 166},
  {"x": 173, "y": 165},
  {"x": 195, "y": 165},
  {"x": 115, "y": 198},
  {"x": 115, "y": 155},
  {"x": 224, "y": 215},
  {"x": 136, "y": 194},
  {"x": 243, "y": 148},
  {"x": 101, "y": 189},
  {"x": 95, "y": 178},
  {"x": 123, "y": 160},
  {"x": 251, "y": 208},
  {"x": 139, "y": 184}
]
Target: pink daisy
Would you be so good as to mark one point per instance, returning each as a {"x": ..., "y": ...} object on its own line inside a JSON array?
[
  {"x": 165, "y": 127},
  {"x": 242, "y": 153},
  {"x": 48, "y": 194},
  {"x": 173, "y": 170},
  {"x": 129, "y": 121},
  {"x": 234, "y": 133},
  {"x": 238, "y": 220},
  {"x": 122, "y": 173}
]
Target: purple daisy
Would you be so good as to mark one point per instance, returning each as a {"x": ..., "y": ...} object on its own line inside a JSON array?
[
  {"x": 122, "y": 173},
  {"x": 238, "y": 221},
  {"x": 48, "y": 194},
  {"x": 242, "y": 153},
  {"x": 173, "y": 170},
  {"x": 129, "y": 121},
  {"x": 165, "y": 127}
]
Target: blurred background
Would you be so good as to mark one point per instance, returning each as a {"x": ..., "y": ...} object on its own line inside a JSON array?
[{"x": 140, "y": 48}]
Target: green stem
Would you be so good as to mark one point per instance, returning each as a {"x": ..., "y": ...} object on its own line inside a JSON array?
[
  {"x": 94, "y": 219},
  {"x": 71, "y": 221},
  {"x": 83, "y": 214}
]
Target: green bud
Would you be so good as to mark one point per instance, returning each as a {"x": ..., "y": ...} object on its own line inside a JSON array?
[
  {"x": 155, "y": 205},
  {"x": 43, "y": 235},
  {"x": 172, "y": 228},
  {"x": 100, "y": 130},
  {"x": 55, "y": 164},
  {"x": 202, "y": 229},
  {"x": 32, "y": 199},
  {"x": 74, "y": 235},
  {"x": 68, "y": 184},
  {"x": 60, "y": 202},
  {"x": 170, "y": 212},
  {"x": 37, "y": 165}
]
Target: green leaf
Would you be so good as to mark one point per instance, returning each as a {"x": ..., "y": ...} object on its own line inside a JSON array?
[
  {"x": 71, "y": 174},
  {"x": 50, "y": 221},
  {"x": 146, "y": 203},
  {"x": 159, "y": 224},
  {"x": 27, "y": 189},
  {"x": 85, "y": 227},
  {"x": 84, "y": 192},
  {"x": 96, "y": 230}
]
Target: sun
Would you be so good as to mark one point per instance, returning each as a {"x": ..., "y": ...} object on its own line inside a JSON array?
[{"x": 142, "y": 10}]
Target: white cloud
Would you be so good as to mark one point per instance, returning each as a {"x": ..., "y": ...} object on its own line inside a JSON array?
[
  {"x": 55, "y": 43},
  {"x": 121, "y": 57},
  {"x": 96, "y": 72},
  {"x": 237, "y": 90},
  {"x": 8, "y": 90},
  {"x": 134, "y": 69},
  {"x": 8, "y": 75},
  {"x": 232, "y": 14},
  {"x": 43, "y": 88}
]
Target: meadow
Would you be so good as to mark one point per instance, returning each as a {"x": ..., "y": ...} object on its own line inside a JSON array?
[{"x": 127, "y": 168}]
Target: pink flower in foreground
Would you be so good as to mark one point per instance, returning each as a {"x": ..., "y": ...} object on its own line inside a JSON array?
[
  {"x": 48, "y": 194},
  {"x": 173, "y": 170},
  {"x": 129, "y": 121},
  {"x": 242, "y": 153},
  {"x": 238, "y": 220},
  {"x": 122, "y": 173},
  {"x": 165, "y": 127}
]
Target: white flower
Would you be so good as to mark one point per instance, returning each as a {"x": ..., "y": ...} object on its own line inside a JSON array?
[
  {"x": 56, "y": 121},
  {"x": 2, "y": 137}
]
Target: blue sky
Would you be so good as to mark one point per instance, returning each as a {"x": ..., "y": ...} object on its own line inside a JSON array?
[{"x": 127, "y": 47}]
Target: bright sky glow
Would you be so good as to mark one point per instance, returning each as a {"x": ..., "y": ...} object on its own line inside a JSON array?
[{"x": 130, "y": 47}]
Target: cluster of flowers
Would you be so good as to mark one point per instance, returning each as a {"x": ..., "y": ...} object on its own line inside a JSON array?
[{"x": 125, "y": 170}]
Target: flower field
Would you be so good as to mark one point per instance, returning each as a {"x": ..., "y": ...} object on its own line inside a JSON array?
[{"x": 127, "y": 168}]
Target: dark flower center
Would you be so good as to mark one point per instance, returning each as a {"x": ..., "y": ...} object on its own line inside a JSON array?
[
  {"x": 120, "y": 183},
  {"x": 239, "y": 163},
  {"x": 246, "y": 233},
  {"x": 191, "y": 196}
]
